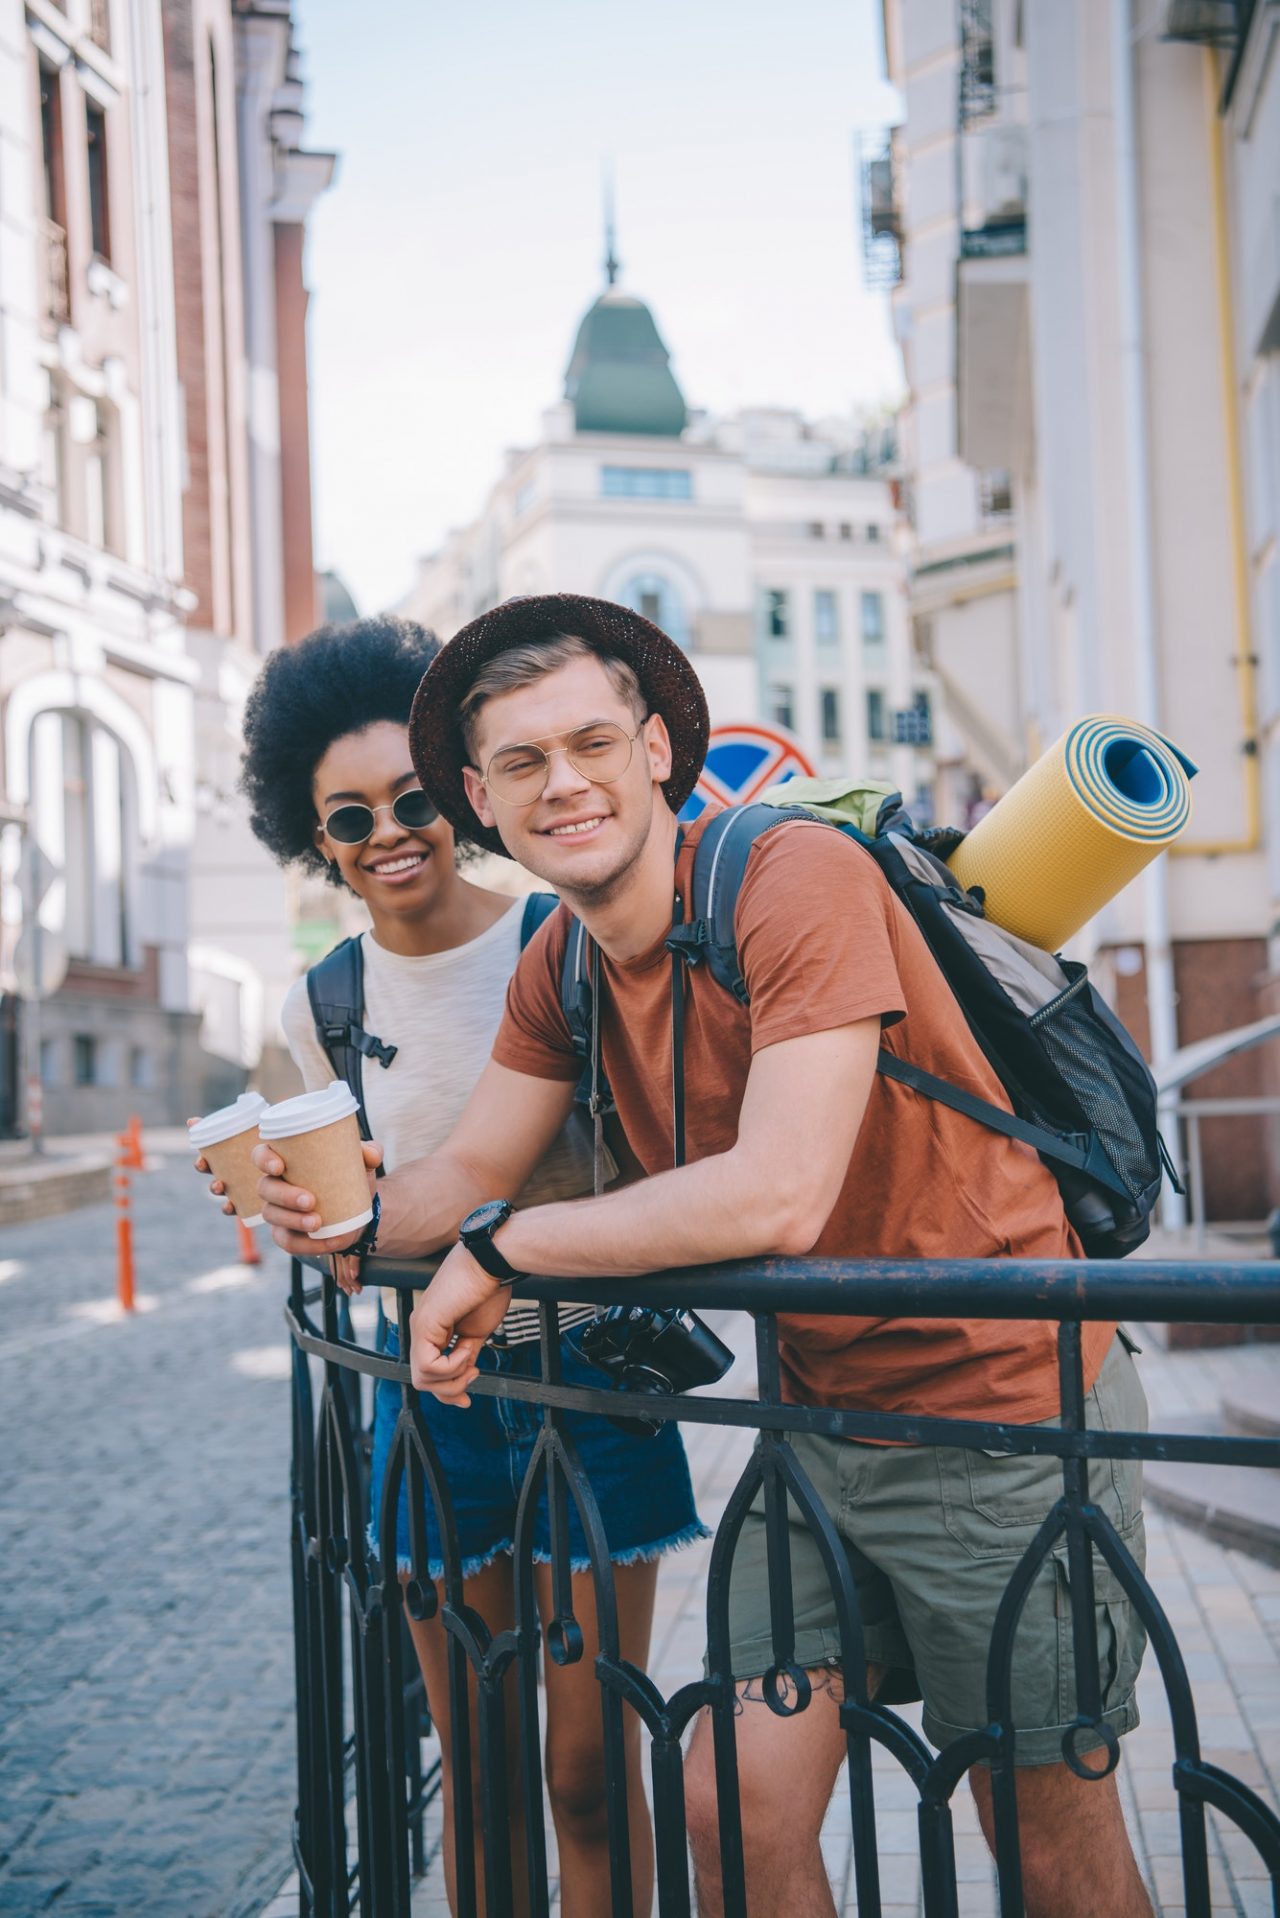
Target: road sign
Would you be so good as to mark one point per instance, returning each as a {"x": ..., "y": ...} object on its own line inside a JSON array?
[
  {"x": 40, "y": 964},
  {"x": 742, "y": 762}
]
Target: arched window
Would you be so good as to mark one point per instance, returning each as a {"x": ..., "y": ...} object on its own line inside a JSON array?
[
  {"x": 654, "y": 597},
  {"x": 83, "y": 816}
]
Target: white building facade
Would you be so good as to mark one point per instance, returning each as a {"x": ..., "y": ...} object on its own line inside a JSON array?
[
  {"x": 95, "y": 678},
  {"x": 1087, "y": 204},
  {"x": 765, "y": 545}
]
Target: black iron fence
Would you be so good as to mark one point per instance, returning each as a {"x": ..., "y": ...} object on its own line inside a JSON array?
[{"x": 361, "y": 1715}]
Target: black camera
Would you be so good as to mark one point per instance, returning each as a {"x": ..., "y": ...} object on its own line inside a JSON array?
[{"x": 644, "y": 1350}]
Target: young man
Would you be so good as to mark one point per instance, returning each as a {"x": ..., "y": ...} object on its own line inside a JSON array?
[{"x": 567, "y": 733}]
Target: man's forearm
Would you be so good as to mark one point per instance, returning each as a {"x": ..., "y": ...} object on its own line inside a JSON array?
[
  {"x": 424, "y": 1203},
  {"x": 719, "y": 1208}
]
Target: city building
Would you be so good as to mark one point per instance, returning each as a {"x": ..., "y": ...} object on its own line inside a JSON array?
[
  {"x": 1084, "y": 202},
  {"x": 765, "y": 544},
  {"x": 96, "y": 682},
  {"x": 155, "y": 540},
  {"x": 242, "y": 185}
]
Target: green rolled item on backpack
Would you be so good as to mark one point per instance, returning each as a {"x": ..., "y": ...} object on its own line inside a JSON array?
[{"x": 844, "y": 802}]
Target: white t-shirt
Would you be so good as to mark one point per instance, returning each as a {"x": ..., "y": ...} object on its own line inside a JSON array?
[{"x": 441, "y": 1011}]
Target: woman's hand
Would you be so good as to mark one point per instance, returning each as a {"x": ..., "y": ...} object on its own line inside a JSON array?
[
  {"x": 216, "y": 1187},
  {"x": 290, "y": 1210},
  {"x": 346, "y": 1274}
]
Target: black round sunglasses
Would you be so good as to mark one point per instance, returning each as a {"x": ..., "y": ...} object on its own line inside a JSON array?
[{"x": 352, "y": 825}]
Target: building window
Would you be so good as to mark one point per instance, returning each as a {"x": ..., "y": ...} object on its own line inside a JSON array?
[
  {"x": 914, "y": 727},
  {"x": 653, "y": 596},
  {"x": 873, "y": 534},
  {"x": 873, "y": 641},
  {"x": 646, "y": 482},
  {"x": 101, "y": 517},
  {"x": 776, "y": 612},
  {"x": 995, "y": 495},
  {"x": 53, "y": 452},
  {"x": 829, "y": 704},
  {"x": 816, "y": 529},
  {"x": 877, "y": 728},
  {"x": 84, "y": 1057},
  {"x": 139, "y": 1068},
  {"x": 826, "y": 617},
  {"x": 782, "y": 707},
  {"x": 83, "y": 817},
  {"x": 524, "y": 498},
  {"x": 48, "y": 1062},
  {"x": 846, "y": 530},
  {"x": 99, "y": 181}
]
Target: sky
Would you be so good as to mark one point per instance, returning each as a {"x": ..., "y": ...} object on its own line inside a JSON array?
[{"x": 462, "y": 240}]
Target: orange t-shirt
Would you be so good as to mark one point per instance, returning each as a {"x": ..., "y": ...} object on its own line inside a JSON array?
[{"x": 824, "y": 942}]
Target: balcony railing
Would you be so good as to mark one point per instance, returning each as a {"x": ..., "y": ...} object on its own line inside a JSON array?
[
  {"x": 349, "y": 1605},
  {"x": 881, "y": 214},
  {"x": 57, "y": 298}
]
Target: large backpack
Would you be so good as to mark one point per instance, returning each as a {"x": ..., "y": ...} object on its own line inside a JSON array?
[
  {"x": 335, "y": 988},
  {"x": 1081, "y": 1092}
]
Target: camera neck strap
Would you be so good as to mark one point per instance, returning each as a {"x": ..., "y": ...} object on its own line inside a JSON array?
[{"x": 677, "y": 1057}]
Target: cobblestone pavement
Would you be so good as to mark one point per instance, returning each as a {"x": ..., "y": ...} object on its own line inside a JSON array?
[
  {"x": 146, "y": 1742},
  {"x": 146, "y": 1738}
]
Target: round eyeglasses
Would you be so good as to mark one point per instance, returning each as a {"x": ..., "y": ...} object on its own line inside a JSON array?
[
  {"x": 600, "y": 752},
  {"x": 352, "y": 825}
]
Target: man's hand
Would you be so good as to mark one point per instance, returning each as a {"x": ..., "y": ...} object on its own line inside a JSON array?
[
  {"x": 461, "y": 1299},
  {"x": 290, "y": 1210}
]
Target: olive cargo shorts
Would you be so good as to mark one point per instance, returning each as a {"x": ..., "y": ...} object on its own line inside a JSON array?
[{"x": 932, "y": 1535}]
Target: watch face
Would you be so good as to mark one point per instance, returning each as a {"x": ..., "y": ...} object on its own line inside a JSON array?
[{"x": 487, "y": 1217}]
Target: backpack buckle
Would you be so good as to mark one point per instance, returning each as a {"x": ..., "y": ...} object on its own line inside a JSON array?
[{"x": 686, "y": 942}]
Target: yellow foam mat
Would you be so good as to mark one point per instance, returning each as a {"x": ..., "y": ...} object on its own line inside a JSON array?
[{"x": 1076, "y": 828}]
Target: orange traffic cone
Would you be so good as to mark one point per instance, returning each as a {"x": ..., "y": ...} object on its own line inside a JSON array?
[
  {"x": 249, "y": 1253},
  {"x": 124, "y": 1226}
]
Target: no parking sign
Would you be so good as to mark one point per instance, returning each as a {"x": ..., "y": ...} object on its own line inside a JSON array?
[{"x": 742, "y": 762}]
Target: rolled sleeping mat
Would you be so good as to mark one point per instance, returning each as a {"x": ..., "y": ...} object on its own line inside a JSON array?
[{"x": 1076, "y": 828}]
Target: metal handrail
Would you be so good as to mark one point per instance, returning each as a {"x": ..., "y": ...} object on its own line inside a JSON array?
[{"x": 335, "y": 1572}]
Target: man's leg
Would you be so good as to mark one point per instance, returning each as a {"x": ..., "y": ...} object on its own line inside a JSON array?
[
  {"x": 1077, "y": 1861},
  {"x": 787, "y": 1769}
]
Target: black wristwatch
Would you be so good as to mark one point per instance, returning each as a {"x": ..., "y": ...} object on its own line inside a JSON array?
[
  {"x": 368, "y": 1240},
  {"x": 476, "y": 1233}
]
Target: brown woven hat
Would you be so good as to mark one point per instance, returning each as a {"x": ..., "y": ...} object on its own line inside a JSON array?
[{"x": 668, "y": 681}]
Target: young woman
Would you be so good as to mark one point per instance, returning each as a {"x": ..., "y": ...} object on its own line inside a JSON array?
[{"x": 332, "y": 788}]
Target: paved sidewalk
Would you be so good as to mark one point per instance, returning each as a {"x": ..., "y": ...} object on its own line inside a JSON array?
[
  {"x": 146, "y": 1736},
  {"x": 146, "y": 1683}
]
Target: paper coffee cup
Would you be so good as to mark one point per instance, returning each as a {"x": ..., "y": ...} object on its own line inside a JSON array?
[
  {"x": 318, "y": 1137},
  {"x": 226, "y": 1138}
]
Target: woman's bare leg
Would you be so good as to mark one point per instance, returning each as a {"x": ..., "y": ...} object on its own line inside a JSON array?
[{"x": 575, "y": 1746}]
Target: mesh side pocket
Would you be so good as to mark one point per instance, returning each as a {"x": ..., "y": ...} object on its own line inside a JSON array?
[{"x": 1109, "y": 1080}]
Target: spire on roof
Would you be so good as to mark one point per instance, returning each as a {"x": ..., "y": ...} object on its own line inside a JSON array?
[{"x": 612, "y": 264}]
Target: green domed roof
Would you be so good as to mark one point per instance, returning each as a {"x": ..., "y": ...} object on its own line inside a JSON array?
[{"x": 619, "y": 377}]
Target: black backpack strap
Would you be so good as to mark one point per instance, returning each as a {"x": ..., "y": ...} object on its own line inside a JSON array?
[
  {"x": 719, "y": 868},
  {"x": 1086, "y": 1156},
  {"x": 335, "y": 988},
  {"x": 537, "y": 907},
  {"x": 576, "y": 996}
]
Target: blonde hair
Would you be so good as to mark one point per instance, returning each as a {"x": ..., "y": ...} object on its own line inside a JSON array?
[{"x": 524, "y": 665}]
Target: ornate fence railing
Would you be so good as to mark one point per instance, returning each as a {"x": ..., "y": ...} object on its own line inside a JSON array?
[{"x": 360, "y": 1713}]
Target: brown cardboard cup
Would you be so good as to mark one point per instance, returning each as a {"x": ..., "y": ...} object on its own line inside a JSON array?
[
  {"x": 229, "y": 1161},
  {"x": 318, "y": 1137}
]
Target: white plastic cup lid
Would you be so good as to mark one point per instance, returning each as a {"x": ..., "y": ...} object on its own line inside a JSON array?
[
  {"x": 308, "y": 1112},
  {"x": 228, "y": 1121}
]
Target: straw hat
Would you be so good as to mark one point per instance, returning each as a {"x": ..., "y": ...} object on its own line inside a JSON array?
[{"x": 667, "y": 680}]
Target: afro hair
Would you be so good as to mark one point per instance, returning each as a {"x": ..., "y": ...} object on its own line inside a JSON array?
[{"x": 339, "y": 680}]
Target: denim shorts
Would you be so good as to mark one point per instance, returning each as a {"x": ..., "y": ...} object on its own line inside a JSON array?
[{"x": 641, "y": 1485}]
